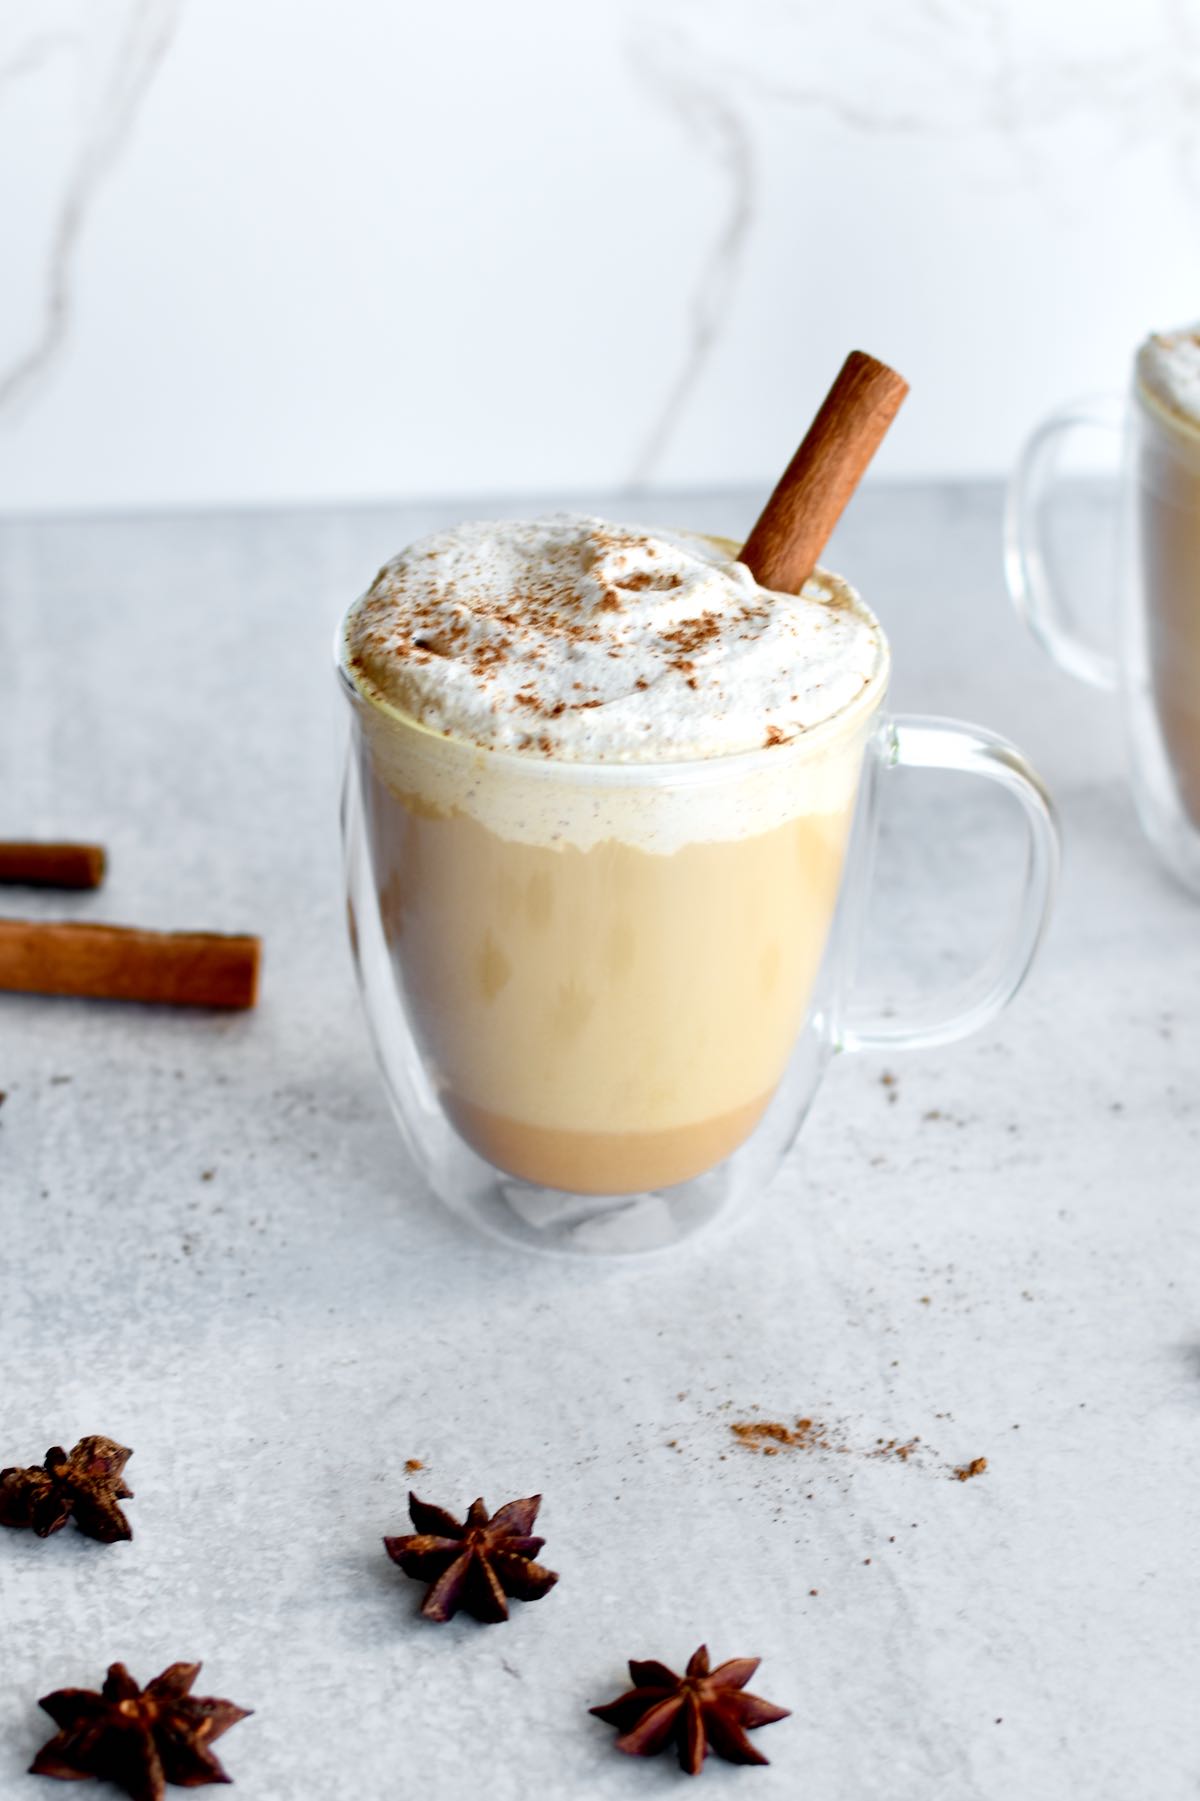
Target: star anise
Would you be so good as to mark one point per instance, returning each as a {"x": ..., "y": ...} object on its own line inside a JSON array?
[
  {"x": 85, "y": 1486},
  {"x": 704, "y": 1710},
  {"x": 474, "y": 1563},
  {"x": 138, "y": 1738}
]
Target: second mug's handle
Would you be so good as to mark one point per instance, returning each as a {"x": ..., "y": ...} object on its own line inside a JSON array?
[
  {"x": 920, "y": 743},
  {"x": 1033, "y": 593}
]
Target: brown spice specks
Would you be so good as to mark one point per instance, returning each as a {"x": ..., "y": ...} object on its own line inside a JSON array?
[
  {"x": 692, "y": 635},
  {"x": 640, "y": 579},
  {"x": 771, "y": 1437}
]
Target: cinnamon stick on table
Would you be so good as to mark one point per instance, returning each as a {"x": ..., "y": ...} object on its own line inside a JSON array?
[
  {"x": 52, "y": 865},
  {"x": 797, "y": 522},
  {"x": 104, "y": 962}
]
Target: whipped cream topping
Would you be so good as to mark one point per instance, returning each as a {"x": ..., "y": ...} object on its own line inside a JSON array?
[
  {"x": 573, "y": 639},
  {"x": 1168, "y": 367}
]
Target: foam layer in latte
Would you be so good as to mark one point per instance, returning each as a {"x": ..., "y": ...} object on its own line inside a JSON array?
[
  {"x": 1168, "y": 368},
  {"x": 576, "y": 640}
]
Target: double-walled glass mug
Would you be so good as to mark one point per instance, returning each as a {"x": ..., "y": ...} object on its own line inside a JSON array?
[
  {"x": 1155, "y": 664},
  {"x": 603, "y": 995}
]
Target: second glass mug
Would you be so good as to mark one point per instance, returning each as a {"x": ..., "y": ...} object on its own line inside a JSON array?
[
  {"x": 1155, "y": 664},
  {"x": 603, "y": 996}
]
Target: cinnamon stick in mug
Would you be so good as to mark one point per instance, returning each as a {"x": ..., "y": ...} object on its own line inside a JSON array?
[
  {"x": 52, "y": 865},
  {"x": 798, "y": 520},
  {"x": 106, "y": 962}
]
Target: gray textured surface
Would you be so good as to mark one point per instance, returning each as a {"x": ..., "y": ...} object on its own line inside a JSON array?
[{"x": 1011, "y": 1278}]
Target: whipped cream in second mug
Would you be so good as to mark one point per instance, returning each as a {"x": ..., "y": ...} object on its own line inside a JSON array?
[{"x": 609, "y": 785}]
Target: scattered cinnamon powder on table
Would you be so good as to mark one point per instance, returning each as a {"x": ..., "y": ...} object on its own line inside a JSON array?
[
  {"x": 901, "y": 1449},
  {"x": 767, "y": 1436},
  {"x": 770, "y": 1437}
]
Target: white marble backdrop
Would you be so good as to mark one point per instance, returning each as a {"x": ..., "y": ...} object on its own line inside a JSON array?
[{"x": 296, "y": 250}]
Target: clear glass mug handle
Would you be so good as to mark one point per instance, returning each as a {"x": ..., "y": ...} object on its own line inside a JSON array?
[
  {"x": 920, "y": 743},
  {"x": 1030, "y": 587}
]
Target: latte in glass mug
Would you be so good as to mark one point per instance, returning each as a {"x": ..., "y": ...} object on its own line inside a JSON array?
[
  {"x": 1168, "y": 477},
  {"x": 606, "y": 979}
]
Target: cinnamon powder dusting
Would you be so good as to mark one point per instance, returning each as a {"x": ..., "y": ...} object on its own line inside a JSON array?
[{"x": 479, "y": 631}]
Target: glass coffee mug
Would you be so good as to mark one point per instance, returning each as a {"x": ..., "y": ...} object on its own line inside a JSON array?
[
  {"x": 1155, "y": 663},
  {"x": 603, "y": 996}
]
